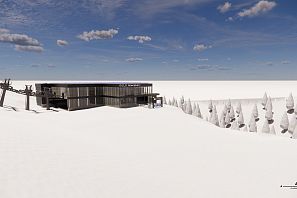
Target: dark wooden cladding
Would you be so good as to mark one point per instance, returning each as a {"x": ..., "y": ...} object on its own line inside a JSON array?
[{"x": 74, "y": 96}]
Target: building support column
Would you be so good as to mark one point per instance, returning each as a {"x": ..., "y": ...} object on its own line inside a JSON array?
[
  {"x": 5, "y": 87},
  {"x": 28, "y": 92}
]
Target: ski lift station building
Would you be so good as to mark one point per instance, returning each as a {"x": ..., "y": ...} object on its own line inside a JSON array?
[{"x": 74, "y": 96}]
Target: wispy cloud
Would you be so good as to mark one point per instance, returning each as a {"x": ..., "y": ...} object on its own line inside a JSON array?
[
  {"x": 62, "y": 43},
  {"x": 140, "y": 39},
  {"x": 134, "y": 59},
  {"x": 285, "y": 62},
  {"x": 150, "y": 8},
  {"x": 22, "y": 42},
  {"x": 225, "y": 7},
  {"x": 202, "y": 59},
  {"x": 28, "y": 48},
  {"x": 259, "y": 8},
  {"x": 208, "y": 67},
  {"x": 98, "y": 34},
  {"x": 201, "y": 47}
]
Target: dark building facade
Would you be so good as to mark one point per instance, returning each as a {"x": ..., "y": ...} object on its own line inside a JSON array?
[{"x": 74, "y": 96}]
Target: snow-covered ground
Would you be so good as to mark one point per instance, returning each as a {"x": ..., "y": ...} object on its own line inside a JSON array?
[{"x": 141, "y": 152}]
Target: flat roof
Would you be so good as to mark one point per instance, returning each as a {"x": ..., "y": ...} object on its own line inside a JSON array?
[{"x": 94, "y": 84}]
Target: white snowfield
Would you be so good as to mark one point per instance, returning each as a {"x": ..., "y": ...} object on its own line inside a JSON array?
[{"x": 149, "y": 153}]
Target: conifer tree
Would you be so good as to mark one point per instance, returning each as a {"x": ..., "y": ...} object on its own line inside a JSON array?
[
  {"x": 255, "y": 111},
  {"x": 194, "y": 109},
  {"x": 232, "y": 114},
  {"x": 225, "y": 110},
  {"x": 265, "y": 128},
  {"x": 238, "y": 108},
  {"x": 292, "y": 124},
  {"x": 245, "y": 129},
  {"x": 235, "y": 126},
  {"x": 197, "y": 111},
  {"x": 210, "y": 106},
  {"x": 240, "y": 119},
  {"x": 164, "y": 100},
  {"x": 290, "y": 102},
  {"x": 252, "y": 125},
  {"x": 264, "y": 100},
  {"x": 189, "y": 107},
  {"x": 272, "y": 130},
  {"x": 214, "y": 117},
  {"x": 227, "y": 119},
  {"x": 285, "y": 122},
  {"x": 222, "y": 121},
  {"x": 175, "y": 103},
  {"x": 229, "y": 105},
  {"x": 294, "y": 136},
  {"x": 269, "y": 114}
]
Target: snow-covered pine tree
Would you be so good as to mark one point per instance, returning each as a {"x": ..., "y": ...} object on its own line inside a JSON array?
[
  {"x": 290, "y": 102},
  {"x": 232, "y": 114},
  {"x": 294, "y": 136},
  {"x": 269, "y": 113},
  {"x": 182, "y": 100},
  {"x": 169, "y": 102},
  {"x": 264, "y": 100},
  {"x": 238, "y": 108},
  {"x": 194, "y": 108},
  {"x": 229, "y": 105},
  {"x": 265, "y": 128},
  {"x": 241, "y": 120},
  {"x": 284, "y": 123},
  {"x": 189, "y": 107},
  {"x": 175, "y": 103},
  {"x": 269, "y": 103},
  {"x": 222, "y": 120},
  {"x": 272, "y": 130},
  {"x": 210, "y": 106},
  {"x": 292, "y": 124},
  {"x": 214, "y": 117},
  {"x": 255, "y": 111},
  {"x": 164, "y": 100},
  {"x": 197, "y": 112},
  {"x": 225, "y": 110},
  {"x": 227, "y": 119},
  {"x": 234, "y": 126},
  {"x": 245, "y": 129},
  {"x": 252, "y": 124}
]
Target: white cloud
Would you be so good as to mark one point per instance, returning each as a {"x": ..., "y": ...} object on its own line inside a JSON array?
[
  {"x": 18, "y": 39},
  {"x": 62, "y": 43},
  {"x": 285, "y": 62},
  {"x": 29, "y": 48},
  {"x": 134, "y": 59},
  {"x": 202, "y": 59},
  {"x": 260, "y": 8},
  {"x": 201, "y": 47},
  {"x": 224, "y": 8},
  {"x": 98, "y": 34},
  {"x": 22, "y": 42},
  {"x": 140, "y": 39},
  {"x": 3, "y": 31},
  {"x": 230, "y": 19},
  {"x": 150, "y": 8},
  {"x": 269, "y": 63}
]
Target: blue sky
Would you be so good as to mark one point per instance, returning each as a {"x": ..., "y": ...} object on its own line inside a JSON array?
[{"x": 148, "y": 39}]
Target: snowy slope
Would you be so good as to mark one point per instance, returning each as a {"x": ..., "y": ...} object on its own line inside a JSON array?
[{"x": 138, "y": 152}]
